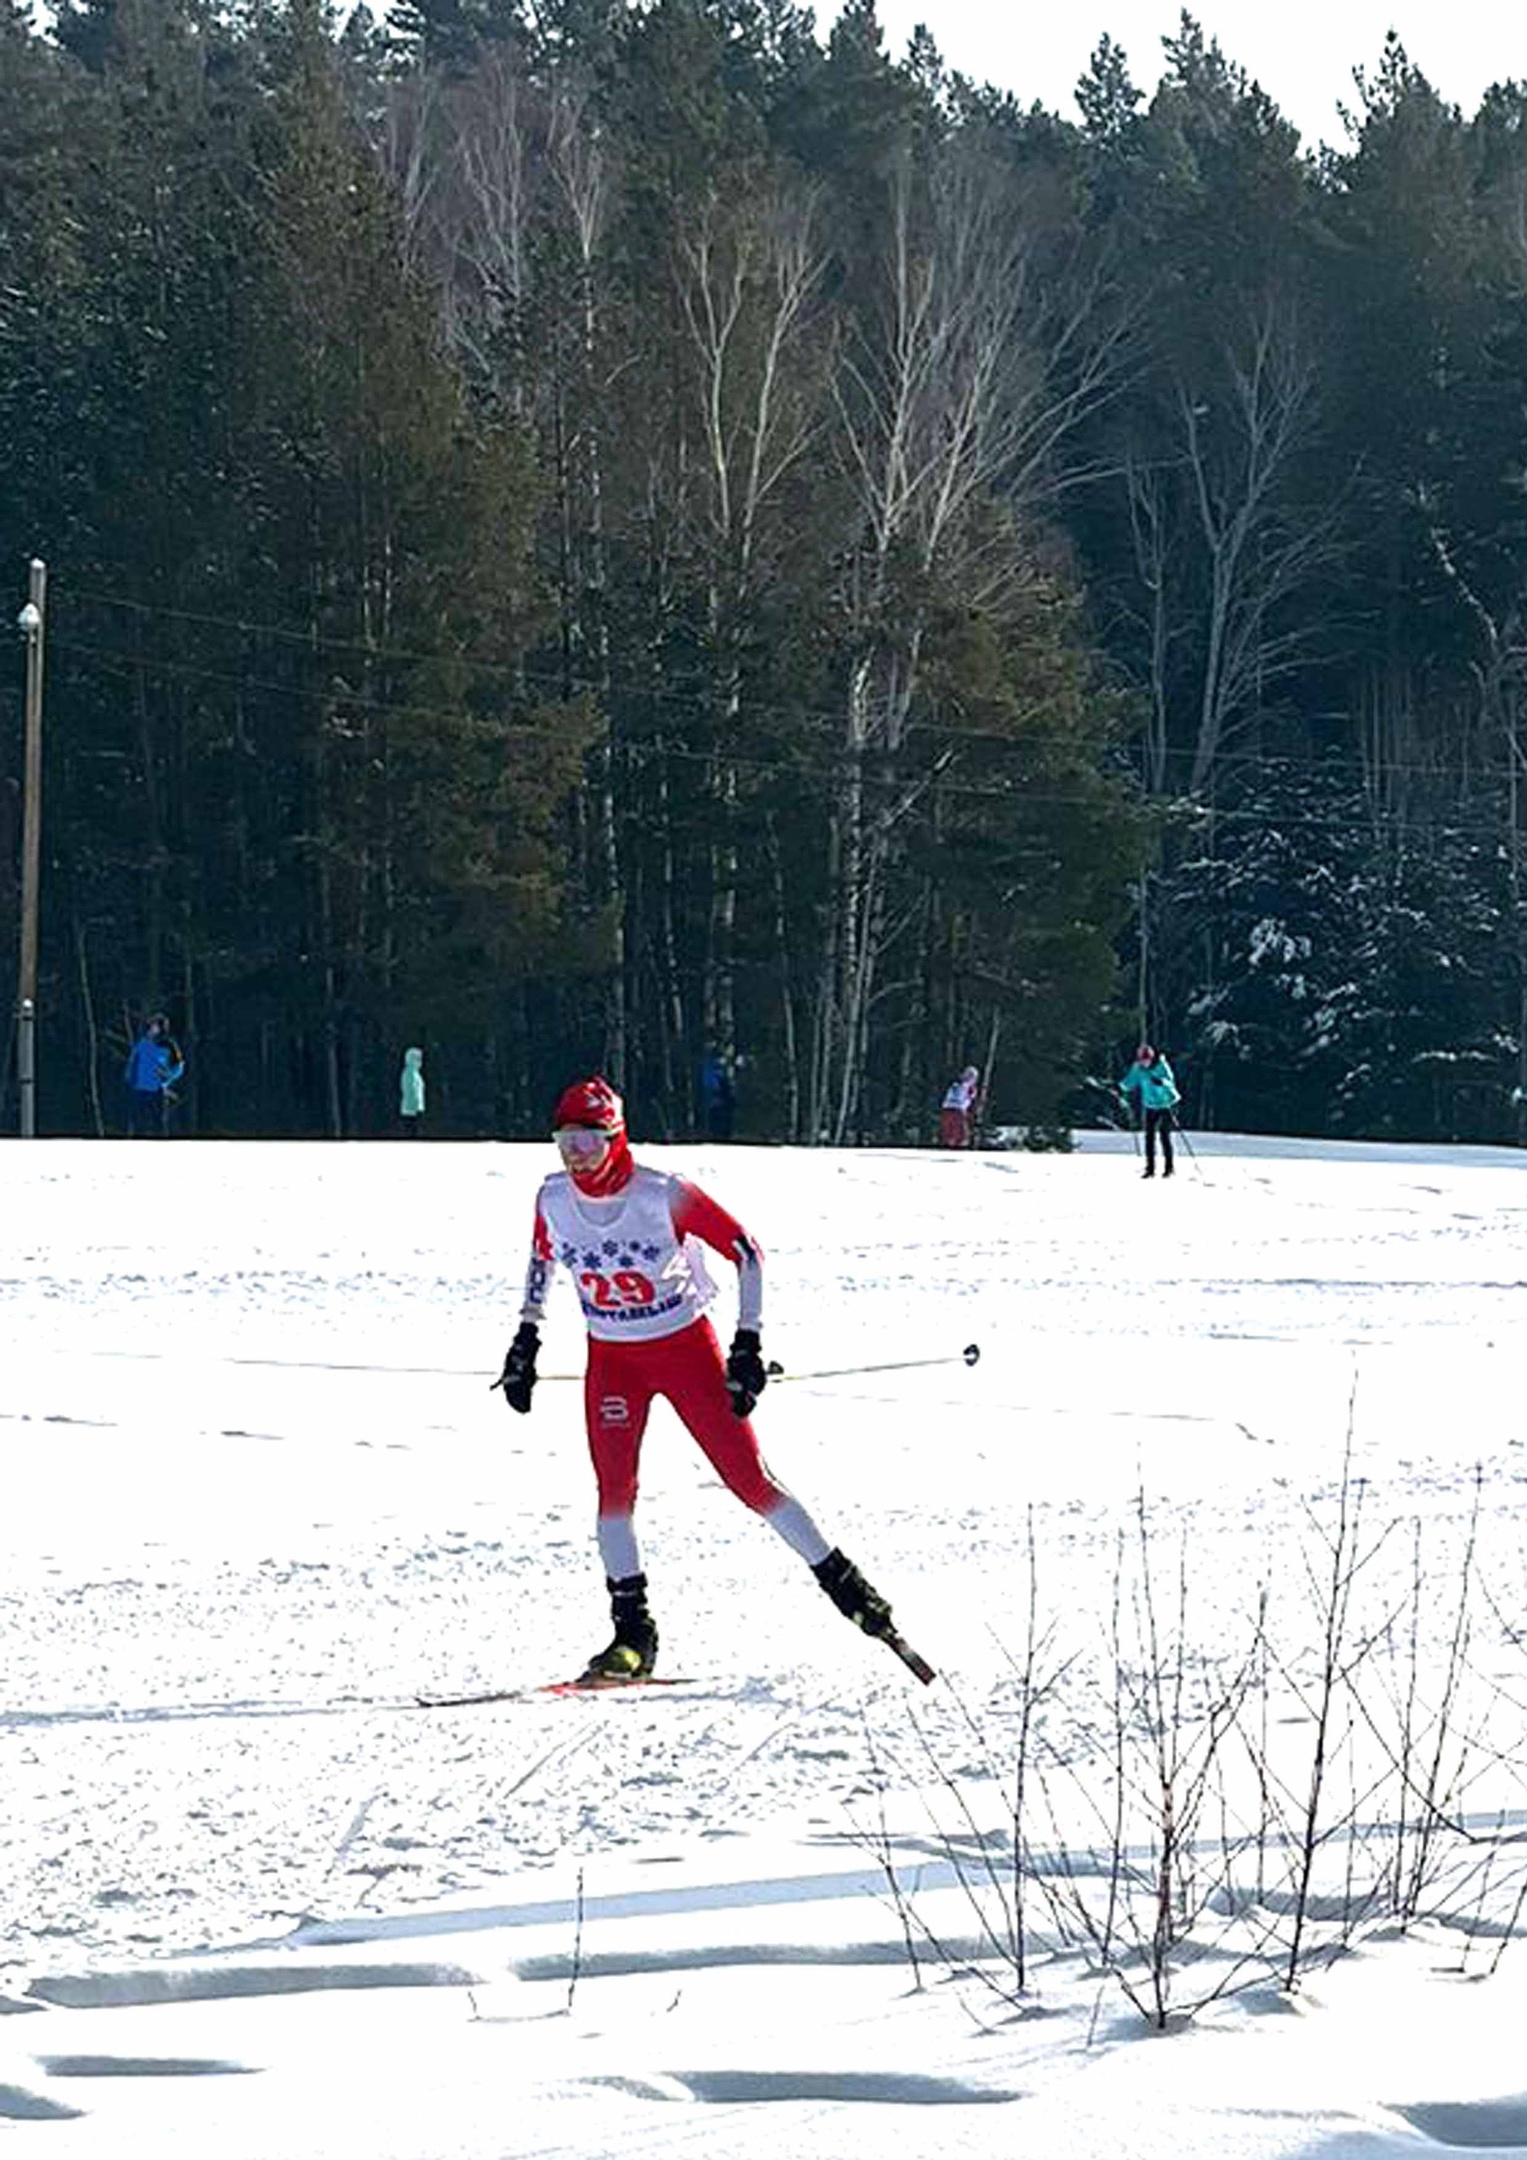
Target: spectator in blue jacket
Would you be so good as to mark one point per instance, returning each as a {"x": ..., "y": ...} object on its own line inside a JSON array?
[
  {"x": 718, "y": 1103},
  {"x": 1150, "y": 1081},
  {"x": 153, "y": 1066}
]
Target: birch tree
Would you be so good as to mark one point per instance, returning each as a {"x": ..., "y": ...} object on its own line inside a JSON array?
[
  {"x": 749, "y": 279},
  {"x": 958, "y": 384},
  {"x": 1263, "y": 541}
]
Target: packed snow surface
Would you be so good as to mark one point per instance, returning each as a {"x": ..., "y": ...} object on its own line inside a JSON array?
[{"x": 1235, "y": 1491}]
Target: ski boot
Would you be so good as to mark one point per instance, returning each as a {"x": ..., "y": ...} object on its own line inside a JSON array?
[
  {"x": 853, "y": 1596},
  {"x": 633, "y": 1653}
]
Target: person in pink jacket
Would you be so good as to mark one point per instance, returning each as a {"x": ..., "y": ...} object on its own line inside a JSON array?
[
  {"x": 957, "y": 1112},
  {"x": 633, "y": 1241}
]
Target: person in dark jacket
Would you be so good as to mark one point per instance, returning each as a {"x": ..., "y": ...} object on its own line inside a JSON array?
[
  {"x": 154, "y": 1064},
  {"x": 718, "y": 1103},
  {"x": 1150, "y": 1080}
]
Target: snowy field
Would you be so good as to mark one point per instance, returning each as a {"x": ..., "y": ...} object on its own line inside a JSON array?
[{"x": 1236, "y": 1491}]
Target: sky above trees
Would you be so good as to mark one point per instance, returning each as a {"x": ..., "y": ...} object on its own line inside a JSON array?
[{"x": 1303, "y": 53}]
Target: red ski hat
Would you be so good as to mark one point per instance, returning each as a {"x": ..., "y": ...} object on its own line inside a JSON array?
[
  {"x": 592, "y": 1106},
  {"x": 593, "y": 1103}
]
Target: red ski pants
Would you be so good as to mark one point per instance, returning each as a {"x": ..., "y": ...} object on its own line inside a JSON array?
[{"x": 618, "y": 1388}]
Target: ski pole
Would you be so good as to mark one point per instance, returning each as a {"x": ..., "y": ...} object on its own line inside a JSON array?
[
  {"x": 1192, "y": 1151},
  {"x": 970, "y": 1355},
  {"x": 542, "y": 1379},
  {"x": 1118, "y": 1100},
  {"x": 1115, "y": 1103}
]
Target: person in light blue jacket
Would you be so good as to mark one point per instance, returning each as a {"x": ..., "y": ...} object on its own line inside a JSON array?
[
  {"x": 1150, "y": 1081},
  {"x": 153, "y": 1066},
  {"x": 411, "y": 1092}
]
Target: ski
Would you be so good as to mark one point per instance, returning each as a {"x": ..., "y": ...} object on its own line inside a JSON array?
[
  {"x": 912, "y": 1659},
  {"x": 549, "y": 1687},
  {"x": 909, "y": 1657},
  {"x": 471, "y": 1702},
  {"x": 612, "y": 1687}
]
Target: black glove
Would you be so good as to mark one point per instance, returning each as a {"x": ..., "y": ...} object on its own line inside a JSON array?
[
  {"x": 518, "y": 1377},
  {"x": 746, "y": 1374}
]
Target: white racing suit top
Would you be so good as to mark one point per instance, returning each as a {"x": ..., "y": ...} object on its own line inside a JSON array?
[{"x": 635, "y": 1256}]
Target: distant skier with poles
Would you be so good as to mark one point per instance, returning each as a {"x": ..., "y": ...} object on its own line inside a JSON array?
[
  {"x": 631, "y": 1238},
  {"x": 1150, "y": 1080}
]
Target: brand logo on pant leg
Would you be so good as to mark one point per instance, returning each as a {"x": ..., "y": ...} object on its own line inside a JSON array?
[{"x": 614, "y": 1410}]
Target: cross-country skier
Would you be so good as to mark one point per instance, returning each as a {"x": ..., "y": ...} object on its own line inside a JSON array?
[
  {"x": 1150, "y": 1078},
  {"x": 630, "y": 1238}
]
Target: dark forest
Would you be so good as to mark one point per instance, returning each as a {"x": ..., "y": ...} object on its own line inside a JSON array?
[{"x": 593, "y": 536}]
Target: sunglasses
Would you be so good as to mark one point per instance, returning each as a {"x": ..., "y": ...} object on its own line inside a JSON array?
[{"x": 581, "y": 1143}]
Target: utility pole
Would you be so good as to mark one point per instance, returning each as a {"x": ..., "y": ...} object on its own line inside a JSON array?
[{"x": 30, "y": 622}]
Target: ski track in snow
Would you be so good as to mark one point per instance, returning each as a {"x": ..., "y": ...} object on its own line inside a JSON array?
[{"x": 258, "y": 1493}]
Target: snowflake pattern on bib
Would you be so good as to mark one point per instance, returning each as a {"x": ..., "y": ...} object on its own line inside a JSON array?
[{"x": 636, "y": 1276}]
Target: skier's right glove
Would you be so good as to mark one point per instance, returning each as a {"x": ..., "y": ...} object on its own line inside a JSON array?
[
  {"x": 518, "y": 1377},
  {"x": 746, "y": 1374}
]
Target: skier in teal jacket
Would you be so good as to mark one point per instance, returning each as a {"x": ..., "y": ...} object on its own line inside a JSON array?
[{"x": 1150, "y": 1079}]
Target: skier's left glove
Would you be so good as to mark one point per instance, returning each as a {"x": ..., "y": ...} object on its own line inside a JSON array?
[
  {"x": 746, "y": 1374},
  {"x": 518, "y": 1377}
]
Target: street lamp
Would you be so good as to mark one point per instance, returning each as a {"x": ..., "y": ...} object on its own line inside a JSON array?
[{"x": 30, "y": 622}]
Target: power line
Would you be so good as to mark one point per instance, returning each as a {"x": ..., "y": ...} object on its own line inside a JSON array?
[
  {"x": 671, "y": 695},
  {"x": 130, "y": 663},
  {"x": 667, "y": 694},
  {"x": 809, "y": 762}
]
